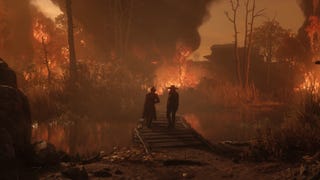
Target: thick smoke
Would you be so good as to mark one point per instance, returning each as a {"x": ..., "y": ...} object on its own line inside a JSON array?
[
  {"x": 16, "y": 31},
  {"x": 154, "y": 26},
  {"x": 310, "y": 8}
]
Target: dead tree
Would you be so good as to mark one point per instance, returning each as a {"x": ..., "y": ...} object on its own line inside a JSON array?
[
  {"x": 122, "y": 18},
  {"x": 72, "y": 53},
  {"x": 233, "y": 19},
  {"x": 46, "y": 61},
  {"x": 248, "y": 37},
  {"x": 243, "y": 62}
]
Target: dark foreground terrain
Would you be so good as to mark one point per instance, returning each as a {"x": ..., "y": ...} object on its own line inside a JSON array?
[{"x": 134, "y": 163}]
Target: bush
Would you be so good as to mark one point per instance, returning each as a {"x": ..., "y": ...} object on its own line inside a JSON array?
[{"x": 298, "y": 135}]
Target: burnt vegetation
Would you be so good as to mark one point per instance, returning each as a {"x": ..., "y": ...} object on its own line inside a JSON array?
[{"x": 86, "y": 71}]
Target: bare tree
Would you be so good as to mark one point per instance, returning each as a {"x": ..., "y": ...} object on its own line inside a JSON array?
[
  {"x": 233, "y": 19},
  {"x": 243, "y": 62},
  {"x": 72, "y": 53},
  {"x": 250, "y": 11}
]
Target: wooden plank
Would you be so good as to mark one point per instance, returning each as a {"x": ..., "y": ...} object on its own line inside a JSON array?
[
  {"x": 142, "y": 141},
  {"x": 168, "y": 136},
  {"x": 159, "y": 136},
  {"x": 186, "y": 140},
  {"x": 174, "y": 144}
]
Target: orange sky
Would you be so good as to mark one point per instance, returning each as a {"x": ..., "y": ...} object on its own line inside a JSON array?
[{"x": 218, "y": 30}]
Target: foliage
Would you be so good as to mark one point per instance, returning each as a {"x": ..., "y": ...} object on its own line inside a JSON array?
[
  {"x": 101, "y": 93},
  {"x": 291, "y": 49},
  {"x": 298, "y": 135},
  {"x": 268, "y": 37}
]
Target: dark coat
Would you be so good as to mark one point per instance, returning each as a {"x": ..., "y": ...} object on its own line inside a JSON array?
[
  {"x": 173, "y": 101},
  {"x": 149, "y": 105}
]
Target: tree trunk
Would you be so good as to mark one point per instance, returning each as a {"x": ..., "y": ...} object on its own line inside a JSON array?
[
  {"x": 235, "y": 6},
  {"x": 72, "y": 53},
  {"x": 46, "y": 61}
]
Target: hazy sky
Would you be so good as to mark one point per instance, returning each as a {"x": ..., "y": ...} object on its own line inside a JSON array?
[{"x": 218, "y": 30}]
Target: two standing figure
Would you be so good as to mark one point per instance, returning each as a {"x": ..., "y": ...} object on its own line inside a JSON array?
[{"x": 149, "y": 112}]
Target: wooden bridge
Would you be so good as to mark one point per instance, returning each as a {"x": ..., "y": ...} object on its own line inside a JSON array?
[{"x": 159, "y": 136}]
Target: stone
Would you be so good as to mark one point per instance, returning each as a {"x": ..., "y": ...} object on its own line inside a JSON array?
[
  {"x": 45, "y": 154},
  {"x": 76, "y": 173},
  {"x": 15, "y": 118},
  {"x": 103, "y": 173}
]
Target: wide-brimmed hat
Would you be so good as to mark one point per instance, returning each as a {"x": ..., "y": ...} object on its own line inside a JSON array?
[
  {"x": 153, "y": 89},
  {"x": 172, "y": 87}
]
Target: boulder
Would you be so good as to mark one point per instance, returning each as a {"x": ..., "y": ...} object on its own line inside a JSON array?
[{"x": 15, "y": 116}]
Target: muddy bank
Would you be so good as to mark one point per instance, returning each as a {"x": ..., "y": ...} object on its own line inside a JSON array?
[{"x": 134, "y": 163}]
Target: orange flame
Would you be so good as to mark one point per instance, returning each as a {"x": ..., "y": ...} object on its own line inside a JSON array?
[
  {"x": 182, "y": 76},
  {"x": 39, "y": 32},
  {"x": 310, "y": 83},
  {"x": 313, "y": 30}
]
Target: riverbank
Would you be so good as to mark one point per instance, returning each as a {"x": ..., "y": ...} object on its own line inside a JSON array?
[{"x": 134, "y": 163}]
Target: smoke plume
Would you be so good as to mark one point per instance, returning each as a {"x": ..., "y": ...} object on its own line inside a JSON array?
[
  {"x": 16, "y": 30},
  {"x": 152, "y": 28}
]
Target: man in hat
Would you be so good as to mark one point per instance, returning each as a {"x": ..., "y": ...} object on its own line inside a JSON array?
[
  {"x": 149, "y": 112},
  {"x": 172, "y": 105}
]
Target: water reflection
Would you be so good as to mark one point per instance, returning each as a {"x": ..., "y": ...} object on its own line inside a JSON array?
[
  {"x": 87, "y": 137},
  {"x": 235, "y": 124},
  {"x": 84, "y": 137}
]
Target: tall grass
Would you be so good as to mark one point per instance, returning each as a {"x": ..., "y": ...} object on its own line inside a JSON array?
[{"x": 299, "y": 133}]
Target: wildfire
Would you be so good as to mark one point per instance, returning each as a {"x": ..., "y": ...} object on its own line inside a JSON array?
[
  {"x": 310, "y": 83},
  {"x": 39, "y": 32},
  {"x": 182, "y": 76}
]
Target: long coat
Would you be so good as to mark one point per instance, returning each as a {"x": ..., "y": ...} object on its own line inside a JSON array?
[{"x": 149, "y": 105}]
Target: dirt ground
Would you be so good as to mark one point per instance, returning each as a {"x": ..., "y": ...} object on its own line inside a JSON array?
[{"x": 133, "y": 163}]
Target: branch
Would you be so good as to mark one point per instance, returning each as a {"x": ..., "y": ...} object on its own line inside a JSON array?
[
  {"x": 261, "y": 12},
  {"x": 228, "y": 16}
]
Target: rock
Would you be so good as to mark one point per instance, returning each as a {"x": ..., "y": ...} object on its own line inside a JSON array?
[
  {"x": 7, "y": 75},
  {"x": 45, "y": 154},
  {"x": 118, "y": 172},
  {"x": 103, "y": 173},
  {"x": 76, "y": 173},
  {"x": 14, "y": 111},
  {"x": 187, "y": 175},
  {"x": 316, "y": 176},
  {"x": 303, "y": 170},
  {"x": 7, "y": 151}
]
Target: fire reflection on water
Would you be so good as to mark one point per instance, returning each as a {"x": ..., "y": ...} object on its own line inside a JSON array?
[{"x": 83, "y": 137}]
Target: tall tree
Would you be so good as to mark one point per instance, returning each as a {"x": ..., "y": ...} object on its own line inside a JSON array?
[
  {"x": 122, "y": 12},
  {"x": 251, "y": 15},
  {"x": 233, "y": 19},
  {"x": 267, "y": 38},
  {"x": 243, "y": 62},
  {"x": 72, "y": 53}
]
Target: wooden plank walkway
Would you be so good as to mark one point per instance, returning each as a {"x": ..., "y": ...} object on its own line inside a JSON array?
[{"x": 159, "y": 136}]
